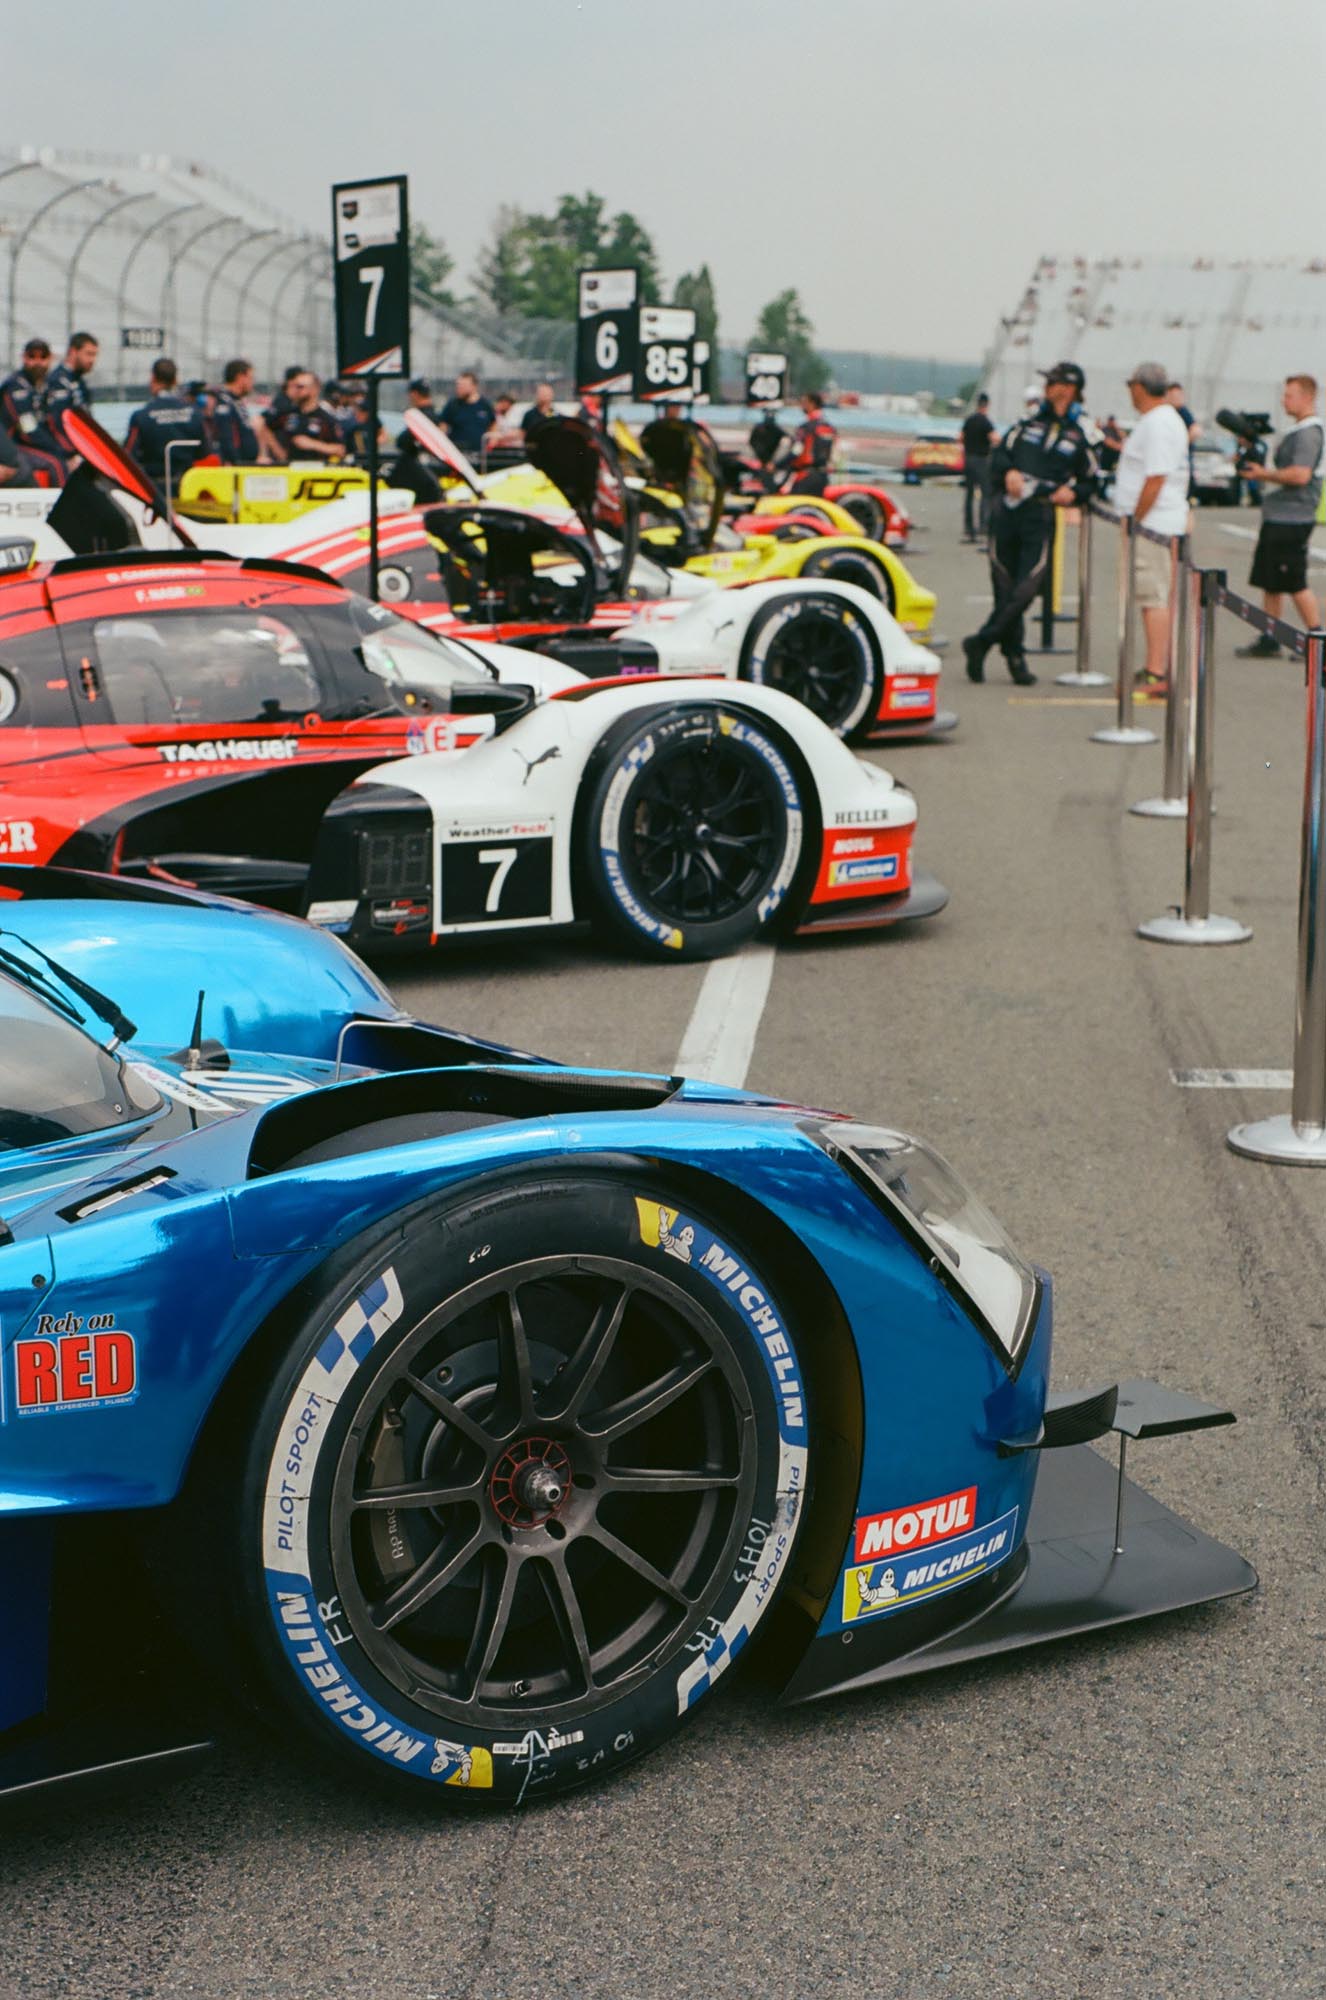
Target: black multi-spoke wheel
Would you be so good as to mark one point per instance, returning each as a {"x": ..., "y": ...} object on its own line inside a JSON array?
[
  {"x": 818, "y": 648},
  {"x": 514, "y": 1525},
  {"x": 866, "y": 511},
  {"x": 692, "y": 830},
  {"x": 539, "y": 1488}
]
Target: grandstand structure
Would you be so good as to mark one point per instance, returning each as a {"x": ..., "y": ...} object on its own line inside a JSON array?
[
  {"x": 136, "y": 246},
  {"x": 1230, "y": 332}
]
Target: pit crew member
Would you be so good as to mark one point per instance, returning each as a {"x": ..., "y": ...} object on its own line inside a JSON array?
[
  {"x": 167, "y": 418},
  {"x": 310, "y": 428},
  {"x": 1043, "y": 462},
  {"x": 467, "y": 416},
  {"x": 233, "y": 433},
  {"x": 67, "y": 388},
  {"x": 812, "y": 447},
  {"x": 23, "y": 414}
]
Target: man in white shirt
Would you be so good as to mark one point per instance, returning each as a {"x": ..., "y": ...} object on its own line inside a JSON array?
[{"x": 1151, "y": 484}]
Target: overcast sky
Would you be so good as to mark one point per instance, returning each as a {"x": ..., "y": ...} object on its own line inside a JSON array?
[{"x": 903, "y": 165}]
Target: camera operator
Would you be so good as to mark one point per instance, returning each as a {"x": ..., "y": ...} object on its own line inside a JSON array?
[{"x": 1290, "y": 490}]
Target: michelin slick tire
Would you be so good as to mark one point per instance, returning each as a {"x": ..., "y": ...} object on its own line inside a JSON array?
[
  {"x": 602, "y": 1396},
  {"x": 851, "y": 566},
  {"x": 690, "y": 830},
  {"x": 867, "y": 512},
  {"x": 818, "y": 648}
]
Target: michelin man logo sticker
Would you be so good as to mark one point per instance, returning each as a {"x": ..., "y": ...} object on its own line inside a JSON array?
[
  {"x": 873, "y": 1595},
  {"x": 457, "y": 1765},
  {"x": 658, "y": 1228},
  {"x": 873, "y": 1589}
]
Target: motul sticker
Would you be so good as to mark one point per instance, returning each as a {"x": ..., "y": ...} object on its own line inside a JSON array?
[
  {"x": 873, "y": 1589},
  {"x": 74, "y": 1363},
  {"x": 914, "y": 1527},
  {"x": 866, "y": 863}
]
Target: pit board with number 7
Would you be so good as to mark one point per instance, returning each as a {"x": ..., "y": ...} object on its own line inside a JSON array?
[{"x": 371, "y": 242}]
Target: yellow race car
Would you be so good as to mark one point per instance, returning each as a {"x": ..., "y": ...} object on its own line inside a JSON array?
[{"x": 673, "y": 470}]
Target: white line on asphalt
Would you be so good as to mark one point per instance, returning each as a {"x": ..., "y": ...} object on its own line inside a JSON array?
[
  {"x": 1232, "y": 1079},
  {"x": 720, "y": 1035}
]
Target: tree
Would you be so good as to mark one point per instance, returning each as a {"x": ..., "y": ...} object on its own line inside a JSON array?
[
  {"x": 531, "y": 262},
  {"x": 497, "y": 275},
  {"x": 431, "y": 264},
  {"x": 785, "y": 329},
  {"x": 631, "y": 243},
  {"x": 696, "y": 290}
]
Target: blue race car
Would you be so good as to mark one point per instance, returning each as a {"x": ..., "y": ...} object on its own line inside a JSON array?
[{"x": 471, "y": 1414}]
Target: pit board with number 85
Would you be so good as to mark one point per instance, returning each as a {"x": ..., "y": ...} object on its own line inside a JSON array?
[{"x": 665, "y": 367}]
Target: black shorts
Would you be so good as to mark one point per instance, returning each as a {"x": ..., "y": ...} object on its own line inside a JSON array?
[{"x": 1280, "y": 562}]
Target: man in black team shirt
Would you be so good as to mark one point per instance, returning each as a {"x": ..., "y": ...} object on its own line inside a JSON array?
[
  {"x": 23, "y": 416},
  {"x": 1042, "y": 463},
  {"x": 167, "y": 418},
  {"x": 310, "y": 428},
  {"x": 978, "y": 437},
  {"x": 67, "y": 388}
]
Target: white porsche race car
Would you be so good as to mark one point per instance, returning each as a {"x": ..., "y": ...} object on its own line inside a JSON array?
[{"x": 683, "y": 818}]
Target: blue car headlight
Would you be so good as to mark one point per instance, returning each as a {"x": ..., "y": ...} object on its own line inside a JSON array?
[{"x": 957, "y": 1235}]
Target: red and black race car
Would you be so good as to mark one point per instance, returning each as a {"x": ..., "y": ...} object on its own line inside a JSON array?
[{"x": 142, "y": 697}]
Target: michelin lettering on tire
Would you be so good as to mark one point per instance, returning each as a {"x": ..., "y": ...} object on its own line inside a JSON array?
[
  {"x": 633, "y": 762},
  {"x": 782, "y": 615},
  {"x": 309, "y": 1632},
  {"x": 769, "y": 1542}
]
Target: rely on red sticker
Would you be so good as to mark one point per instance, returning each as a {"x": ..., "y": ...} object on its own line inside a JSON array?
[{"x": 74, "y": 1363}]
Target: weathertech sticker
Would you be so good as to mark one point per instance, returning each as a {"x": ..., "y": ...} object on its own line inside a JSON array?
[{"x": 872, "y": 1589}]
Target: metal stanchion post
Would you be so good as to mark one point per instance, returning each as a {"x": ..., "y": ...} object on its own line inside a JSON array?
[
  {"x": 1173, "y": 800},
  {"x": 1083, "y": 676},
  {"x": 1124, "y": 729},
  {"x": 1299, "y": 1138},
  {"x": 1195, "y": 924}
]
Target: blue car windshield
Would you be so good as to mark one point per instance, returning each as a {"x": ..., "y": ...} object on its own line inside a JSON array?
[{"x": 55, "y": 1081}]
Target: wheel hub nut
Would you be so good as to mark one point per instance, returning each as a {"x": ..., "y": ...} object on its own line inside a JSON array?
[{"x": 530, "y": 1482}]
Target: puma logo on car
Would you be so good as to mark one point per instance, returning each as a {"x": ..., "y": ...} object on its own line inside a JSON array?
[{"x": 532, "y": 763}]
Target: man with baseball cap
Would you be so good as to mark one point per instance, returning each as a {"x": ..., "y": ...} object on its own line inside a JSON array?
[{"x": 1043, "y": 462}]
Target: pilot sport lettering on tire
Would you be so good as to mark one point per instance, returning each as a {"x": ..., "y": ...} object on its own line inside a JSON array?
[
  {"x": 526, "y": 1482},
  {"x": 819, "y": 649},
  {"x": 691, "y": 831}
]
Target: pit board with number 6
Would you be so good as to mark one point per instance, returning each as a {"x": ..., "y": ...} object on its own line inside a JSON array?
[{"x": 607, "y": 328}]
